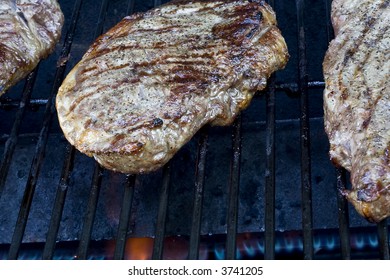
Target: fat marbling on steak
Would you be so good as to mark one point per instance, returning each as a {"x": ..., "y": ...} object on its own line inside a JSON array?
[
  {"x": 357, "y": 101},
  {"x": 29, "y": 31},
  {"x": 150, "y": 83}
]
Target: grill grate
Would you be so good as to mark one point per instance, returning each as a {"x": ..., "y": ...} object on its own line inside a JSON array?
[
  {"x": 40, "y": 148},
  {"x": 268, "y": 237},
  {"x": 306, "y": 188},
  {"x": 198, "y": 195}
]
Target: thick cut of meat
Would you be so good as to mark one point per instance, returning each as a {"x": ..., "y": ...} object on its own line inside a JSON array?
[
  {"x": 29, "y": 30},
  {"x": 149, "y": 84},
  {"x": 357, "y": 101}
]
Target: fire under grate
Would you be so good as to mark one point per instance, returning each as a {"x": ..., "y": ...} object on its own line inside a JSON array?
[{"x": 263, "y": 188}]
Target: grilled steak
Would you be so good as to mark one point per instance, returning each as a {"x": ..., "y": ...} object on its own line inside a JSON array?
[
  {"x": 357, "y": 101},
  {"x": 29, "y": 31},
  {"x": 149, "y": 84}
]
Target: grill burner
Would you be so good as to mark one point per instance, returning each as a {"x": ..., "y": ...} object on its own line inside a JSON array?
[
  {"x": 288, "y": 245},
  {"x": 270, "y": 205}
]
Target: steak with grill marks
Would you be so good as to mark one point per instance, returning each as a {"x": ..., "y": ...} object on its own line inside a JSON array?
[
  {"x": 357, "y": 101},
  {"x": 150, "y": 83},
  {"x": 29, "y": 31}
]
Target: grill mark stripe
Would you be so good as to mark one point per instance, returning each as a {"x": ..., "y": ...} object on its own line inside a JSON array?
[
  {"x": 98, "y": 53},
  {"x": 78, "y": 101},
  {"x": 175, "y": 80},
  {"x": 154, "y": 32},
  {"x": 362, "y": 63},
  {"x": 362, "y": 36},
  {"x": 143, "y": 32},
  {"x": 346, "y": 45},
  {"x": 379, "y": 37},
  {"x": 200, "y": 52},
  {"x": 146, "y": 65},
  {"x": 112, "y": 68},
  {"x": 86, "y": 75}
]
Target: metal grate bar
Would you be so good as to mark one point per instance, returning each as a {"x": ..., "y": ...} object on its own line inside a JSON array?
[
  {"x": 130, "y": 7},
  {"x": 305, "y": 138},
  {"x": 158, "y": 244},
  {"x": 329, "y": 27},
  {"x": 127, "y": 202},
  {"x": 101, "y": 19},
  {"x": 124, "y": 218},
  {"x": 42, "y": 141},
  {"x": 98, "y": 171},
  {"x": 343, "y": 214},
  {"x": 86, "y": 232},
  {"x": 33, "y": 104},
  {"x": 233, "y": 192},
  {"x": 383, "y": 237},
  {"x": 64, "y": 181},
  {"x": 198, "y": 196},
  {"x": 269, "y": 239},
  {"x": 62, "y": 189},
  {"x": 269, "y": 212},
  {"x": 10, "y": 144}
]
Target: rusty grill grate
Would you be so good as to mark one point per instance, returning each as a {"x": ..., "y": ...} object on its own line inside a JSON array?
[{"x": 269, "y": 236}]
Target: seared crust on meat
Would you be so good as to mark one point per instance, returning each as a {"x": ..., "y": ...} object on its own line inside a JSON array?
[
  {"x": 29, "y": 31},
  {"x": 357, "y": 101},
  {"x": 145, "y": 87}
]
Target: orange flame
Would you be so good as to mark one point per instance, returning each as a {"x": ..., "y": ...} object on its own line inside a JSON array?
[{"x": 139, "y": 248}]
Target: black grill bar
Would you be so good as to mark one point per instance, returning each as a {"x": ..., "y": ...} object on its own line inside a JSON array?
[
  {"x": 64, "y": 181},
  {"x": 98, "y": 170},
  {"x": 124, "y": 218},
  {"x": 343, "y": 215},
  {"x": 33, "y": 104},
  {"x": 269, "y": 192},
  {"x": 342, "y": 203},
  {"x": 198, "y": 195},
  {"x": 130, "y": 7},
  {"x": 101, "y": 19},
  {"x": 128, "y": 195},
  {"x": 158, "y": 245},
  {"x": 86, "y": 231},
  {"x": 383, "y": 238},
  {"x": 329, "y": 27},
  {"x": 59, "y": 202},
  {"x": 233, "y": 192},
  {"x": 127, "y": 202},
  {"x": 42, "y": 141},
  {"x": 269, "y": 239},
  {"x": 305, "y": 138},
  {"x": 11, "y": 142}
]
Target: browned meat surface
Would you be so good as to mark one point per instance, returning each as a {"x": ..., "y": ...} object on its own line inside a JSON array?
[
  {"x": 357, "y": 101},
  {"x": 29, "y": 31},
  {"x": 149, "y": 84}
]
